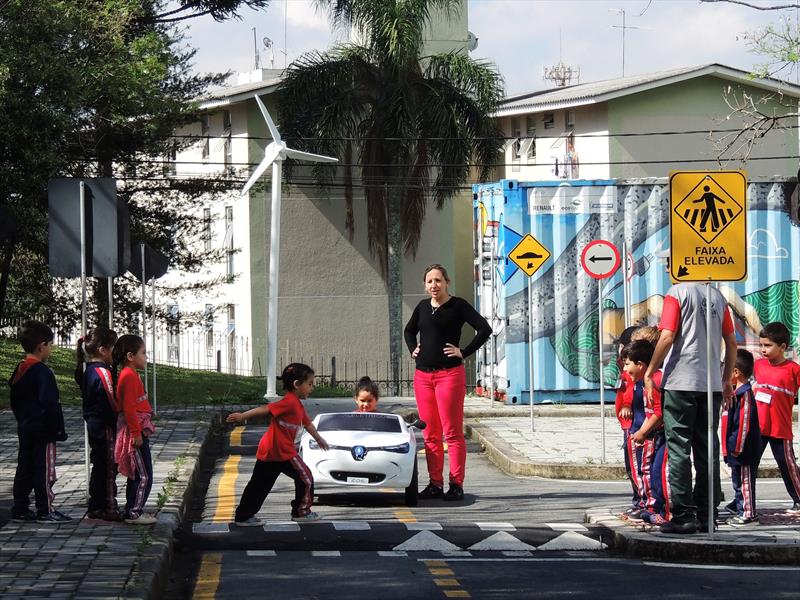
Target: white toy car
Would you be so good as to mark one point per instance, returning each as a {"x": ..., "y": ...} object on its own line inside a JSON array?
[{"x": 367, "y": 449}]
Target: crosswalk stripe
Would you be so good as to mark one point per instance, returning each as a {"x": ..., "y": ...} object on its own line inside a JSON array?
[
  {"x": 419, "y": 526},
  {"x": 351, "y": 525},
  {"x": 496, "y": 526},
  {"x": 286, "y": 526},
  {"x": 566, "y": 527}
]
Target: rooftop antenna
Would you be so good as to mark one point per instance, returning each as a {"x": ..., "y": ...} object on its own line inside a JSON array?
[
  {"x": 561, "y": 74},
  {"x": 624, "y": 27},
  {"x": 257, "y": 58}
]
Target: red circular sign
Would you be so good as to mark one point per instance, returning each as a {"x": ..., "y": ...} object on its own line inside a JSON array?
[{"x": 600, "y": 259}]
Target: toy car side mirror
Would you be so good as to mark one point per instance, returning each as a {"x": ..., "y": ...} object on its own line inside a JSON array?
[{"x": 418, "y": 424}]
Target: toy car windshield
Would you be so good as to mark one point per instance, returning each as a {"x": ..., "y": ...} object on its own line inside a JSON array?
[{"x": 359, "y": 422}]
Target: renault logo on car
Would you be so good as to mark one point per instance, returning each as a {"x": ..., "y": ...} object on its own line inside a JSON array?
[{"x": 359, "y": 452}]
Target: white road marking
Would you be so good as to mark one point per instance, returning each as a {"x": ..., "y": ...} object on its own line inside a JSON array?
[
  {"x": 325, "y": 553},
  {"x": 570, "y": 540},
  {"x": 392, "y": 553},
  {"x": 261, "y": 553},
  {"x": 502, "y": 540},
  {"x": 282, "y": 526},
  {"x": 496, "y": 526},
  {"x": 426, "y": 540},
  {"x": 206, "y": 527},
  {"x": 721, "y": 567},
  {"x": 423, "y": 526},
  {"x": 566, "y": 527}
]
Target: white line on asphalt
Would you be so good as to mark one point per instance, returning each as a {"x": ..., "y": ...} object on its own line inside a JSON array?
[
  {"x": 325, "y": 553},
  {"x": 566, "y": 527},
  {"x": 351, "y": 525},
  {"x": 261, "y": 553},
  {"x": 392, "y": 553},
  {"x": 721, "y": 567},
  {"x": 512, "y": 559},
  {"x": 286, "y": 526},
  {"x": 496, "y": 526},
  {"x": 423, "y": 526}
]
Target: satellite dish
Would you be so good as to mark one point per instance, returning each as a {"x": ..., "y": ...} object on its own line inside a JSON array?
[{"x": 472, "y": 41}]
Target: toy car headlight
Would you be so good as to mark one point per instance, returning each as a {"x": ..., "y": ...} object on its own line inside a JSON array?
[{"x": 399, "y": 449}]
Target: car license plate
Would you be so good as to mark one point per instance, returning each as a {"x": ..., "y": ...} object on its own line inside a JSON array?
[{"x": 358, "y": 480}]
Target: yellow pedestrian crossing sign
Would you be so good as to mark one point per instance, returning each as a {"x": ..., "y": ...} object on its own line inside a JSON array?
[
  {"x": 708, "y": 225},
  {"x": 529, "y": 255}
]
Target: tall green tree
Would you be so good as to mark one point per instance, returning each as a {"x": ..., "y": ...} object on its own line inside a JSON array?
[
  {"x": 407, "y": 125},
  {"x": 98, "y": 88}
]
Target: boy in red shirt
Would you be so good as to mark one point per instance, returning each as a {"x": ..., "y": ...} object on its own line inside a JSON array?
[
  {"x": 277, "y": 453},
  {"x": 777, "y": 383}
]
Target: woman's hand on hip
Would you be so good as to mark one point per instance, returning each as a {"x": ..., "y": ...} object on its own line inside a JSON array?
[
  {"x": 415, "y": 353},
  {"x": 452, "y": 351}
]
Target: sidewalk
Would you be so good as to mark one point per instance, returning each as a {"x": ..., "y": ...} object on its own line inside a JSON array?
[
  {"x": 88, "y": 558},
  {"x": 566, "y": 443}
]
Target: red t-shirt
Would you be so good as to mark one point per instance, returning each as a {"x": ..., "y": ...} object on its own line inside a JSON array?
[
  {"x": 775, "y": 389},
  {"x": 132, "y": 398},
  {"x": 288, "y": 418},
  {"x": 624, "y": 398}
]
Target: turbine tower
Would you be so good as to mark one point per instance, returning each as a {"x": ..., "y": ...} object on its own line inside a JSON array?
[{"x": 274, "y": 154}]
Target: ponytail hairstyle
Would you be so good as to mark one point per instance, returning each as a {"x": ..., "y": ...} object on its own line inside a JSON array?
[
  {"x": 89, "y": 345},
  {"x": 365, "y": 384},
  {"x": 126, "y": 343},
  {"x": 295, "y": 372}
]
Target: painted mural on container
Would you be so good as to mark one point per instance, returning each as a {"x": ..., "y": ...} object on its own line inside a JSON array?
[{"x": 634, "y": 215}]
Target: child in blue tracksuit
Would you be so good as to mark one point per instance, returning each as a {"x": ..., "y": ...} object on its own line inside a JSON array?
[
  {"x": 40, "y": 424},
  {"x": 741, "y": 442},
  {"x": 93, "y": 375}
]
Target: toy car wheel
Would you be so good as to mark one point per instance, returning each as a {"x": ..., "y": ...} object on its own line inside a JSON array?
[{"x": 412, "y": 491}]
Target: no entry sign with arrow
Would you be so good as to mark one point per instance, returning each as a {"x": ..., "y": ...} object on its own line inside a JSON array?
[{"x": 600, "y": 259}]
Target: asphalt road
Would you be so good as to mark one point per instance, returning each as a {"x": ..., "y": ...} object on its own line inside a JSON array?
[{"x": 509, "y": 538}]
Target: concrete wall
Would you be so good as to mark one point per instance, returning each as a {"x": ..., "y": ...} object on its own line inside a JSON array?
[{"x": 696, "y": 104}]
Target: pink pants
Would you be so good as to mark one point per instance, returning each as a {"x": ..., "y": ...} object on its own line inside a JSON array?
[{"x": 440, "y": 402}]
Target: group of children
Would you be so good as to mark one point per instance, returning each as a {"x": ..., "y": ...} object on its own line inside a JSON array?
[
  {"x": 759, "y": 415},
  {"x": 118, "y": 419}
]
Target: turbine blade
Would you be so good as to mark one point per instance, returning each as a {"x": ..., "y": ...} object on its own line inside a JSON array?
[
  {"x": 273, "y": 131},
  {"x": 299, "y": 155},
  {"x": 270, "y": 155}
]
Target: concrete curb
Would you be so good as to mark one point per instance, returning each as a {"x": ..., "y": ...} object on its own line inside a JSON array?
[
  {"x": 151, "y": 568},
  {"x": 514, "y": 463},
  {"x": 698, "y": 547}
]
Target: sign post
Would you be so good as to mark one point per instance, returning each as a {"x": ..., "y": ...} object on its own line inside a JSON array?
[
  {"x": 708, "y": 243},
  {"x": 529, "y": 255},
  {"x": 600, "y": 259}
]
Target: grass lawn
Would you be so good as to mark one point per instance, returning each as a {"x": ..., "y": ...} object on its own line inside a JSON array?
[{"x": 174, "y": 386}]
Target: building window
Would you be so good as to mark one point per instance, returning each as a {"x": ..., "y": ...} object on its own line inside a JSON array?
[
  {"x": 529, "y": 147},
  {"x": 204, "y": 127},
  {"x": 171, "y": 163},
  {"x": 207, "y": 228},
  {"x": 208, "y": 324},
  {"x": 226, "y": 122},
  {"x": 549, "y": 120},
  {"x": 229, "y": 242},
  {"x": 569, "y": 119},
  {"x": 516, "y": 144},
  {"x": 173, "y": 333}
]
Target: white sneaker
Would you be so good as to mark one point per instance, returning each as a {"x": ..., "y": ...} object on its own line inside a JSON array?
[
  {"x": 307, "y": 518},
  {"x": 143, "y": 519}
]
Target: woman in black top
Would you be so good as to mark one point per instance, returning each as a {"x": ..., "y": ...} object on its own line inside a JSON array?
[{"x": 440, "y": 379}]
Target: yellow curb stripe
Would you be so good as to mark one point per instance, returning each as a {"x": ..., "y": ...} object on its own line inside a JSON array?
[
  {"x": 440, "y": 567},
  {"x": 205, "y": 588},
  {"x": 236, "y": 436},
  {"x": 446, "y": 582},
  {"x": 226, "y": 496},
  {"x": 441, "y": 571},
  {"x": 457, "y": 593},
  {"x": 435, "y": 563}
]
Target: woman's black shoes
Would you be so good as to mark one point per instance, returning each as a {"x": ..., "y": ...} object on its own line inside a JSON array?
[
  {"x": 455, "y": 493},
  {"x": 432, "y": 491}
]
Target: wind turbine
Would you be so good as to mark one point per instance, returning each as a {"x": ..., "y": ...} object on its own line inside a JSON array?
[{"x": 274, "y": 154}]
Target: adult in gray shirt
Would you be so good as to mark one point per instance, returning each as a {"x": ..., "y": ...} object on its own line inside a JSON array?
[{"x": 683, "y": 343}]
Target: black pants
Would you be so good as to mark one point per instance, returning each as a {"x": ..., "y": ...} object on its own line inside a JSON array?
[
  {"x": 36, "y": 470},
  {"x": 264, "y": 476},
  {"x": 102, "y": 481},
  {"x": 783, "y": 452}
]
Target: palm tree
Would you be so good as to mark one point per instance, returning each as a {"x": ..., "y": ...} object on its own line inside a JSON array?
[{"x": 407, "y": 125}]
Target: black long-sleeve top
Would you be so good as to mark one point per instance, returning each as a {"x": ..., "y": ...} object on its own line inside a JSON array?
[
  {"x": 34, "y": 401},
  {"x": 440, "y": 326}
]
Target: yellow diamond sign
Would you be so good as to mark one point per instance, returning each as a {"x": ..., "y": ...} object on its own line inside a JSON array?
[
  {"x": 708, "y": 225},
  {"x": 529, "y": 255}
]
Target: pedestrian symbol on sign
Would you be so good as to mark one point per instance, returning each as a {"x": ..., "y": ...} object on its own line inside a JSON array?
[{"x": 708, "y": 211}]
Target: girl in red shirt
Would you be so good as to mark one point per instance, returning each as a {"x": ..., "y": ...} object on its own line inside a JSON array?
[
  {"x": 277, "y": 453},
  {"x": 134, "y": 428}
]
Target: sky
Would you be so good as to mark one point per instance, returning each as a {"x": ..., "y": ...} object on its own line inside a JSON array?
[{"x": 521, "y": 36}]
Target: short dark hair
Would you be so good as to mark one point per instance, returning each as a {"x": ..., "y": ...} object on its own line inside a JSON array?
[
  {"x": 744, "y": 362},
  {"x": 776, "y": 332},
  {"x": 625, "y": 337},
  {"x": 33, "y": 333},
  {"x": 640, "y": 351},
  {"x": 295, "y": 372},
  {"x": 365, "y": 384}
]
